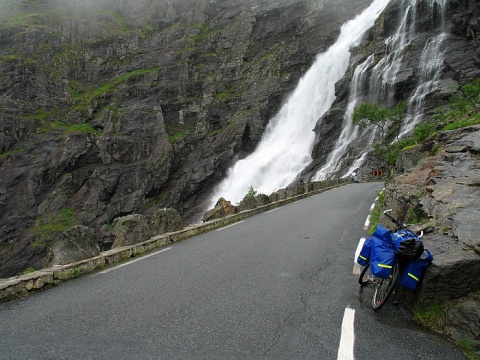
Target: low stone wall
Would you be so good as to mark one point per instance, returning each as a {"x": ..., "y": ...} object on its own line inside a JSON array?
[{"x": 19, "y": 286}]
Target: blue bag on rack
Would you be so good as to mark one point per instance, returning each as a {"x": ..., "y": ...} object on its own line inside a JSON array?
[
  {"x": 414, "y": 271},
  {"x": 383, "y": 254},
  {"x": 401, "y": 235},
  {"x": 407, "y": 244},
  {"x": 366, "y": 252}
]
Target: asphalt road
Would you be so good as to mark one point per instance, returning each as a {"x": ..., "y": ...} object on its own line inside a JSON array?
[{"x": 275, "y": 286}]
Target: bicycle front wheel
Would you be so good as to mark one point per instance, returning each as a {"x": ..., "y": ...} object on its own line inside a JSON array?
[{"x": 385, "y": 287}]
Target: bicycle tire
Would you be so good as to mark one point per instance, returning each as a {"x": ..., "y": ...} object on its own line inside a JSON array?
[
  {"x": 365, "y": 276},
  {"x": 385, "y": 287}
]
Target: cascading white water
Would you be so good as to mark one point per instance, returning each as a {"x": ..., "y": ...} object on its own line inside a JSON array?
[
  {"x": 349, "y": 132},
  {"x": 286, "y": 145},
  {"x": 382, "y": 78},
  {"x": 430, "y": 70},
  {"x": 385, "y": 72}
]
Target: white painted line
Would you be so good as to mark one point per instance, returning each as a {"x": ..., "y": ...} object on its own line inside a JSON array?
[
  {"x": 347, "y": 339},
  {"x": 357, "y": 268},
  {"x": 130, "y": 262},
  {"x": 359, "y": 248},
  {"x": 367, "y": 223},
  {"x": 269, "y": 211},
  {"x": 225, "y": 227},
  {"x": 372, "y": 207}
]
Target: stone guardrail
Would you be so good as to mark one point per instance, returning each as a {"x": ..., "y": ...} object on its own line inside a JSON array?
[{"x": 20, "y": 286}]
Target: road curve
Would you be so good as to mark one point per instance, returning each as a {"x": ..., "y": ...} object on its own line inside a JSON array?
[{"x": 274, "y": 286}]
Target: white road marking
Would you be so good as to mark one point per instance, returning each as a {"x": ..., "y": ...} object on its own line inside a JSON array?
[
  {"x": 357, "y": 268},
  {"x": 130, "y": 262},
  {"x": 372, "y": 207},
  {"x": 269, "y": 211},
  {"x": 359, "y": 248},
  {"x": 347, "y": 338},
  {"x": 367, "y": 223},
  {"x": 225, "y": 227}
]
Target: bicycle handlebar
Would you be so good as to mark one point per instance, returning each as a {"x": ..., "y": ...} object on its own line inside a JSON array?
[
  {"x": 395, "y": 221},
  {"x": 400, "y": 225}
]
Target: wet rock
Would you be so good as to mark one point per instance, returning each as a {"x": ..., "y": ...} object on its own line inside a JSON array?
[
  {"x": 222, "y": 208},
  {"x": 443, "y": 190},
  {"x": 72, "y": 245},
  {"x": 130, "y": 230},
  {"x": 463, "y": 320},
  {"x": 165, "y": 220}
]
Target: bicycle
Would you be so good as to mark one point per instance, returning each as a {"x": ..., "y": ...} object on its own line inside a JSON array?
[{"x": 406, "y": 252}]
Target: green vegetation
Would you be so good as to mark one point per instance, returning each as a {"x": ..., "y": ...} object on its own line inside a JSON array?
[
  {"x": 177, "y": 132},
  {"x": 373, "y": 114},
  {"x": 151, "y": 202},
  {"x": 376, "y": 213},
  {"x": 113, "y": 83},
  {"x": 203, "y": 33},
  {"x": 230, "y": 93},
  {"x": 251, "y": 192},
  {"x": 67, "y": 129},
  {"x": 12, "y": 152},
  {"x": 463, "y": 108},
  {"x": 65, "y": 218},
  {"x": 412, "y": 217},
  {"x": 17, "y": 57},
  {"x": 29, "y": 270},
  {"x": 466, "y": 345},
  {"x": 74, "y": 272},
  {"x": 432, "y": 316}
]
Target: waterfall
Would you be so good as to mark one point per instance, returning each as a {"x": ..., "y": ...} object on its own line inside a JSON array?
[
  {"x": 376, "y": 82},
  {"x": 285, "y": 148},
  {"x": 349, "y": 132},
  {"x": 384, "y": 74},
  {"x": 430, "y": 70}
]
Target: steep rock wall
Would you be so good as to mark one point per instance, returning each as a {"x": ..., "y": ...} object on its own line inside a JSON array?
[
  {"x": 111, "y": 108},
  {"x": 460, "y": 66}
]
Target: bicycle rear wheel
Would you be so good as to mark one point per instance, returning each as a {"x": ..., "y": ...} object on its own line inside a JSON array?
[
  {"x": 366, "y": 275},
  {"x": 385, "y": 287}
]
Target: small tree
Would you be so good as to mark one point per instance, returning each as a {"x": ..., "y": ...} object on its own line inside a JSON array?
[
  {"x": 373, "y": 114},
  {"x": 385, "y": 119},
  {"x": 251, "y": 192}
]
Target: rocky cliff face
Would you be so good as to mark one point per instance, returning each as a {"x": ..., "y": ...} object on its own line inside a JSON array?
[
  {"x": 442, "y": 194},
  {"x": 118, "y": 107},
  {"x": 392, "y": 64}
]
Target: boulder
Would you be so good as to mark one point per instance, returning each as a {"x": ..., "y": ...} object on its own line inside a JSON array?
[
  {"x": 248, "y": 203},
  {"x": 278, "y": 195},
  {"x": 165, "y": 220},
  {"x": 72, "y": 245},
  {"x": 105, "y": 237},
  {"x": 464, "y": 320},
  {"x": 222, "y": 208},
  {"x": 130, "y": 229}
]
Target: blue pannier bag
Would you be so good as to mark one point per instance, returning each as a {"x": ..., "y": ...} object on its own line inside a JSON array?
[
  {"x": 383, "y": 253},
  {"x": 399, "y": 236},
  {"x": 406, "y": 243},
  {"x": 366, "y": 252},
  {"x": 414, "y": 271}
]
